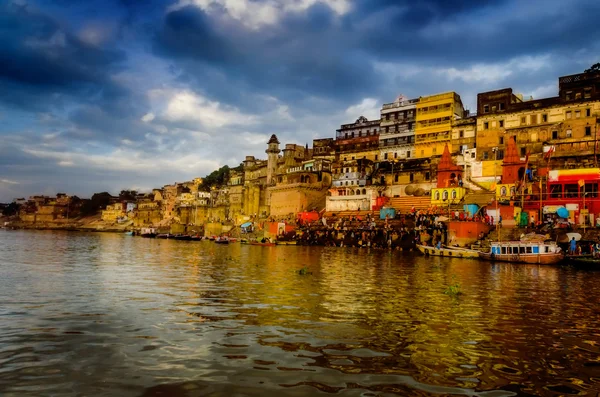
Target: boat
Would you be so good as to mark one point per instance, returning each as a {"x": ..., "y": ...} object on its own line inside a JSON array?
[
  {"x": 582, "y": 260},
  {"x": 222, "y": 240},
  {"x": 164, "y": 235},
  {"x": 130, "y": 233},
  {"x": 265, "y": 244},
  {"x": 451, "y": 252},
  {"x": 184, "y": 237},
  {"x": 148, "y": 232},
  {"x": 537, "y": 252},
  {"x": 290, "y": 242}
]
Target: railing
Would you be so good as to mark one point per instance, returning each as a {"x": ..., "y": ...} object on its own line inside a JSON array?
[{"x": 399, "y": 104}]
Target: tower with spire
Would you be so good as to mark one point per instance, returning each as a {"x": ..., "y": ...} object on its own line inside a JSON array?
[
  {"x": 272, "y": 156},
  {"x": 447, "y": 171}
]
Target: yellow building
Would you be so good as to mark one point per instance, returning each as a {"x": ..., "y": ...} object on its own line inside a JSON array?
[
  {"x": 113, "y": 213},
  {"x": 435, "y": 116}
]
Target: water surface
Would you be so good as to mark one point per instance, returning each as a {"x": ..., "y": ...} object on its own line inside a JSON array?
[{"x": 112, "y": 315}]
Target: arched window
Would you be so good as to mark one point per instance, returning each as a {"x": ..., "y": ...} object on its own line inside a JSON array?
[
  {"x": 437, "y": 195},
  {"x": 453, "y": 194},
  {"x": 445, "y": 195},
  {"x": 503, "y": 191},
  {"x": 364, "y": 191}
]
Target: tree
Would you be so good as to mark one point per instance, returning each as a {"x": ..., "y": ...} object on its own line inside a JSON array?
[
  {"x": 216, "y": 178},
  {"x": 127, "y": 195},
  {"x": 594, "y": 68},
  {"x": 98, "y": 202},
  {"x": 11, "y": 209}
]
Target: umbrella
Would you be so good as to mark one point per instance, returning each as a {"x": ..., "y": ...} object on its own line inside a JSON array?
[
  {"x": 562, "y": 212},
  {"x": 247, "y": 224},
  {"x": 442, "y": 218},
  {"x": 577, "y": 236}
]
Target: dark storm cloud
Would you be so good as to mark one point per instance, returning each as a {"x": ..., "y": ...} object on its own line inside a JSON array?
[{"x": 39, "y": 58}]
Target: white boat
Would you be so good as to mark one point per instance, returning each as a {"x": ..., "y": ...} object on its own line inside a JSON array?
[
  {"x": 450, "y": 252},
  {"x": 537, "y": 252}
]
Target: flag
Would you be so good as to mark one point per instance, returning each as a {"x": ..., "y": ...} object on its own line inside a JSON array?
[
  {"x": 581, "y": 182},
  {"x": 548, "y": 154}
]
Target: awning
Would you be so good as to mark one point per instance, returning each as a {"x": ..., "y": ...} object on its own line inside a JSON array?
[{"x": 247, "y": 224}]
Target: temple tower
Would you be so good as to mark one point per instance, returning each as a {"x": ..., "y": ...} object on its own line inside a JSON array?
[
  {"x": 448, "y": 173},
  {"x": 512, "y": 165},
  {"x": 273, "y": 154}
]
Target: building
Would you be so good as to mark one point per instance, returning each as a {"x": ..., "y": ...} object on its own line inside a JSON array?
[
  {"x": 324, "y": 148},
  {"x": 359, "y": 140},
  {"x": 397, "y": 129},
  {"x": 435, "y": 117},
  {"x": 566, "y": 124}
]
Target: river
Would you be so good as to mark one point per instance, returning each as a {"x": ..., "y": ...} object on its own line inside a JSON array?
[{"x": 103, "y": 314}]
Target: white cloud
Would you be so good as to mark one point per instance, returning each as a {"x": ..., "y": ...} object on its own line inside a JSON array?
[
  {"x": 368, "y": 107},
  {"x": 9, "y": 182},
  {"x": 495, "y": 72},
  {"x": 65, "y": 163},
  {"x": 147, "y": 117},
  {"x": 186, "y": 106},
  {"x": 255, "y": 14}
]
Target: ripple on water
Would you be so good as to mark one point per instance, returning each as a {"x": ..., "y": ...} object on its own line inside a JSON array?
[{"x": 105, "y": 314}]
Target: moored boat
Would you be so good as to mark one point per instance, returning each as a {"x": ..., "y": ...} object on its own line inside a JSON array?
[
  {"x": 535, "y": 252},
  {"x": 290, "y": 242},
  {"x": 222, "y": 240},
  {"x": 265, "y": 244},
  {"x": 448, "y": 251}
]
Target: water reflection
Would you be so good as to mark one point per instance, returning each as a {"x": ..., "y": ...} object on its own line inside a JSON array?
[{"x": 104, "y": 314}]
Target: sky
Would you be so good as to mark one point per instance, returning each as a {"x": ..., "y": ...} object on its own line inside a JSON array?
[{"x": 106, "y": 95}]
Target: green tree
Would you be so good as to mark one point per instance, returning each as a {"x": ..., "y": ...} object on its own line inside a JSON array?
[
  {"x": 594, "y": 68},
  {"x": 215, "y": 178},
  {"x": 98, "y": 202},
  {"x": 11, "y": 209}
]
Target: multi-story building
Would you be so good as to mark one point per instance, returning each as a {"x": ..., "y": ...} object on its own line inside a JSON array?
[
  {"x": 435, "y": 116},
  {"x": 566, "y": 123},
  {"x": 359, "y": 140},
  {"x": 351, "y": 187},
  {"x": 236, "y": 193},
  {"x": 324, "y": 148},
  {"x": 397, "y": 129}
]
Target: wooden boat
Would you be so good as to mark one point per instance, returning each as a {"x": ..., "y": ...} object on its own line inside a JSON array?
[
  {"x": 583, "y": 260},
  {"x": 537, "y": 252},
  {"x": 450, "y": 252},
  {"x": 183, "y": 237},
  {"x": 164, "y": 235},
  {"x": 222, "y": 240},
  {"x": 291, "y": 242},
  {"x": 265, "y": 244}
]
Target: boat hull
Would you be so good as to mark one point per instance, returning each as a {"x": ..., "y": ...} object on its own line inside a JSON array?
[
  {"x": 262, "y": 244},
  {"x": 448, "y": 252},
  {"x": 538, "y": 259},
  {"x": 286, "y": 242}
]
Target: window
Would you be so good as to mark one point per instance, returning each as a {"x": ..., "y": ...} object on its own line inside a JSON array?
[
  {"x": 578, "y": 95},
  {"x": 501, "y": 123},
  {"x": 396, "y": 178},
  {"x": 523, "y": 152},
  {"x": 544, "y": 118},
  {"x": 554, "y": 134},
  {"x": 588, "y": 131},
  {"x": 500, "y": 106},
  {"x": 533, "y": 119},
  {"x": 485, "y": 155},
  {"x": 577, "y": 114},
  {"x": 427, "y": 175},
  {"x": 556, "y": 191},
  {"x": 412, "y": 177},
  {"x": 437, "y": 195},
  {"x": 524, "y": 120},
  {"x": 500, "y": 154},
  {"x": 434, "y": 151},
  {"x": 453, "y": 194},
  {"x": 569, "y": 95},
  {"x": 588, "y": 112},
  {"x": 501, "y": 140},
  {"x": 395, "y": 155},
  {"x": 408, "y": 154},
  {"x": 376, "y": 157},
  {"x": 571, "y": 190},
  {"x": 486, "y": 125},
  {"x": 445, "y": 195},
  {"x": 385, "y": 156},
  {"x": 569, "y": 133},
  {"x": 461, "y": 134},
  {"x": 486, "y": 108},
  {"x": 587, "y": 92},
  {"x": 569, "y": 114}
]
